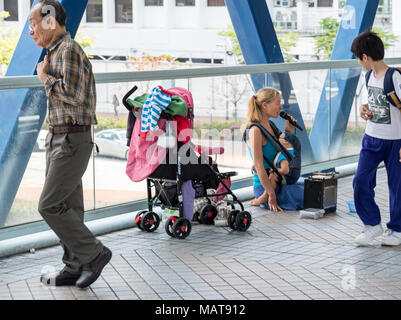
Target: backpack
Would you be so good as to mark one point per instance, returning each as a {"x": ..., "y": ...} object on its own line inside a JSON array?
[
  {"x": 388, "y": 86},
  {"x": 294, "y": 162}
]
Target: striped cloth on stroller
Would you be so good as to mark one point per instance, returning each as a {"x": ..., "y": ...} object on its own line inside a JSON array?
[{"x": 176, "y": 170}]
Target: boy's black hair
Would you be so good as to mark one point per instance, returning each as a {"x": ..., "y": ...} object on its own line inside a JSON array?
[
  {"x": 61, "y": 16},
  {"x": 368, "y": 43}
]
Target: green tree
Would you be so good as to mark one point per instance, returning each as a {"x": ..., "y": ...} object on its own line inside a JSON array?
[
  {"x": 230, "y": 34},
  {"x": 388, "y": 38},
  {"x": 286, "y": 41},
  {"x": 325, "y": 41},
  {"x": 84, "y": 41}
]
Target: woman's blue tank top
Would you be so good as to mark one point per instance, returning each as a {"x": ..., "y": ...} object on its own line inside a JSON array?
[{"x": 270, "y": 153}]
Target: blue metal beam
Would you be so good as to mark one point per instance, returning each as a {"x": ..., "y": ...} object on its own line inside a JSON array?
[
  {"x": 259, "y": 44},
  {"x": 22, "y": 111},
  {"x": 335, "y": 104}
]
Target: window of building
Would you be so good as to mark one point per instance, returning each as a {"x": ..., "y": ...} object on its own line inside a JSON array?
[
  {"x": 11, "y": 6},
  {"x": 185, "y": 3},
  {"x": 123, "y": 9},
  {"x": 94, "y": 11},
  {"x": 216, "y": 3},
  {"x": 324, "y": 3},
  {"x": 293, "y": 16},
  {"x": 153, "y": 3}
]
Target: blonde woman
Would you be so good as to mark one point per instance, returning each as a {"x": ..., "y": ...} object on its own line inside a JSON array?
[{"x": 265, "y": 104}]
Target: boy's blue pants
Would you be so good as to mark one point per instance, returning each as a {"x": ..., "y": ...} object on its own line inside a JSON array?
[{"x": 373, "y": 152}]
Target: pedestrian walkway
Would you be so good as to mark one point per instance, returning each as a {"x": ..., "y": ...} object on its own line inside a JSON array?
[{"x": 279, "y": 257}]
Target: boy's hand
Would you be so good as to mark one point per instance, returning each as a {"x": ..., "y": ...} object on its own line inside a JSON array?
[
  {"x": 365, "y": 112},
  {"x": 400, "y": 154}
]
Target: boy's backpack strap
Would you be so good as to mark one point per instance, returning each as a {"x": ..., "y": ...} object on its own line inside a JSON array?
[
  {"x": 389, "y": 88},
  {"x": 367, "y": 76}
]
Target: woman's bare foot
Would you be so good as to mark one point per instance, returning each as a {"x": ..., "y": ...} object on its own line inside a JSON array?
[
  {"x": 262, "y": 199},
  {"x": 255, "y": 202}
]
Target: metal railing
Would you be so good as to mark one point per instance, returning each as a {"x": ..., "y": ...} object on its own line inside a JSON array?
[{"x": 18, "y": 82}]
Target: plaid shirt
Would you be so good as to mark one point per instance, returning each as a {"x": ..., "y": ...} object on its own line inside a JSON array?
[{"x": 70, "y": 84}]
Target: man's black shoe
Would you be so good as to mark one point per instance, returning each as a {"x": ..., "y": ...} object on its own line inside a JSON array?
[
  {"x": 63, "y": 278},
  {"x": 92, "y": 270}
]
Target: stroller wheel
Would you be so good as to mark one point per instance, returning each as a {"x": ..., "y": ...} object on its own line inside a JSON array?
[
  {"x": 207, "y": 214},
  {"x": 232, "y": 218},
  {"x": 196, "y": 218},
  {"x": 150, "y": 221},
  {"x": 169, "y": 226},
  {"x": 243, "y": 220},
  {"x": 139, "y": 217},
  {"x": 182, "y": 228}
]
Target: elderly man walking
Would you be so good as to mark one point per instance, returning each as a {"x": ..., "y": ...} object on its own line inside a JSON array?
[{"x": 67, "y": 75}]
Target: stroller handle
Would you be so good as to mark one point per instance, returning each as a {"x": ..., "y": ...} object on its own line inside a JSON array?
[{"x": 127, "y": 95}]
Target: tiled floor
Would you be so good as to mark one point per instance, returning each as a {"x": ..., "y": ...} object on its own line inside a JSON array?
[{"x": 279, "y": 257}]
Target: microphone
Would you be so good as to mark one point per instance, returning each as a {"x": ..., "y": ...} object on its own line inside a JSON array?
[{"x": 286, "y": 116}]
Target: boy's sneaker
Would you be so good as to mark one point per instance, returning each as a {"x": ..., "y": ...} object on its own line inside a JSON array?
[
  {"x": 369, "y": 235},
  {"x": 391, "y": 238}
]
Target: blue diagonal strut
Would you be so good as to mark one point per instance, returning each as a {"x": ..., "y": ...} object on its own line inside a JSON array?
[
  {"x": 335, "y": 103},
  {"x": 259, "y": 44},
  {"x": 22, "y": 111}
]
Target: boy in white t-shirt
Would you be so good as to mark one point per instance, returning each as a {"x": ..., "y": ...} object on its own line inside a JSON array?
[{"x": 381, "y": 142}]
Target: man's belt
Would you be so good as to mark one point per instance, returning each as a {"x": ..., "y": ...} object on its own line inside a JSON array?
[{"x": 68, "y": 129}]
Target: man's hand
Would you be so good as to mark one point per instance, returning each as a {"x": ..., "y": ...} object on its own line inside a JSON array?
[
  {"x": 43, "y": 69},
  {"x": 400, "y": 154},
  {"x": 365, "y": 112}
]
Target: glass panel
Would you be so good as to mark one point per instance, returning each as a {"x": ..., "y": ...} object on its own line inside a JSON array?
[
  {"x": 11, "y": 6},
  {"x": 112, "y": 184},
  {"x": 94, "y": 11},
  {"x": 123, "y": 10},
  {"x": 184, "y": 3},
  {"x": 153, "y": 3},
  {"x": 347, "y": 90},
  {"x": 25, "y": 205}
]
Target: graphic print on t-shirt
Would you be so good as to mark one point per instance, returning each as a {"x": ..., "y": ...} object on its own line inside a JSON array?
[{"x": 379, "y": 106}]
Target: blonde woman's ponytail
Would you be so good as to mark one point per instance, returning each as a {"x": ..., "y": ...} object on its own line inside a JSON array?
[{"x": 254, "y": 104}]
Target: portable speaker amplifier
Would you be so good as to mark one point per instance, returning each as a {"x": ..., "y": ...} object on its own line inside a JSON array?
[{"x": 321, "y": 192}]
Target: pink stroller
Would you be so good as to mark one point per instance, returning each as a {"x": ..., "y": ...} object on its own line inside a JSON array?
[{"x": 177, "y": 171}]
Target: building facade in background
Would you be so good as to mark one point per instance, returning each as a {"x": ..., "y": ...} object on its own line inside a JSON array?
[{"x": 188, "y": 29}]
